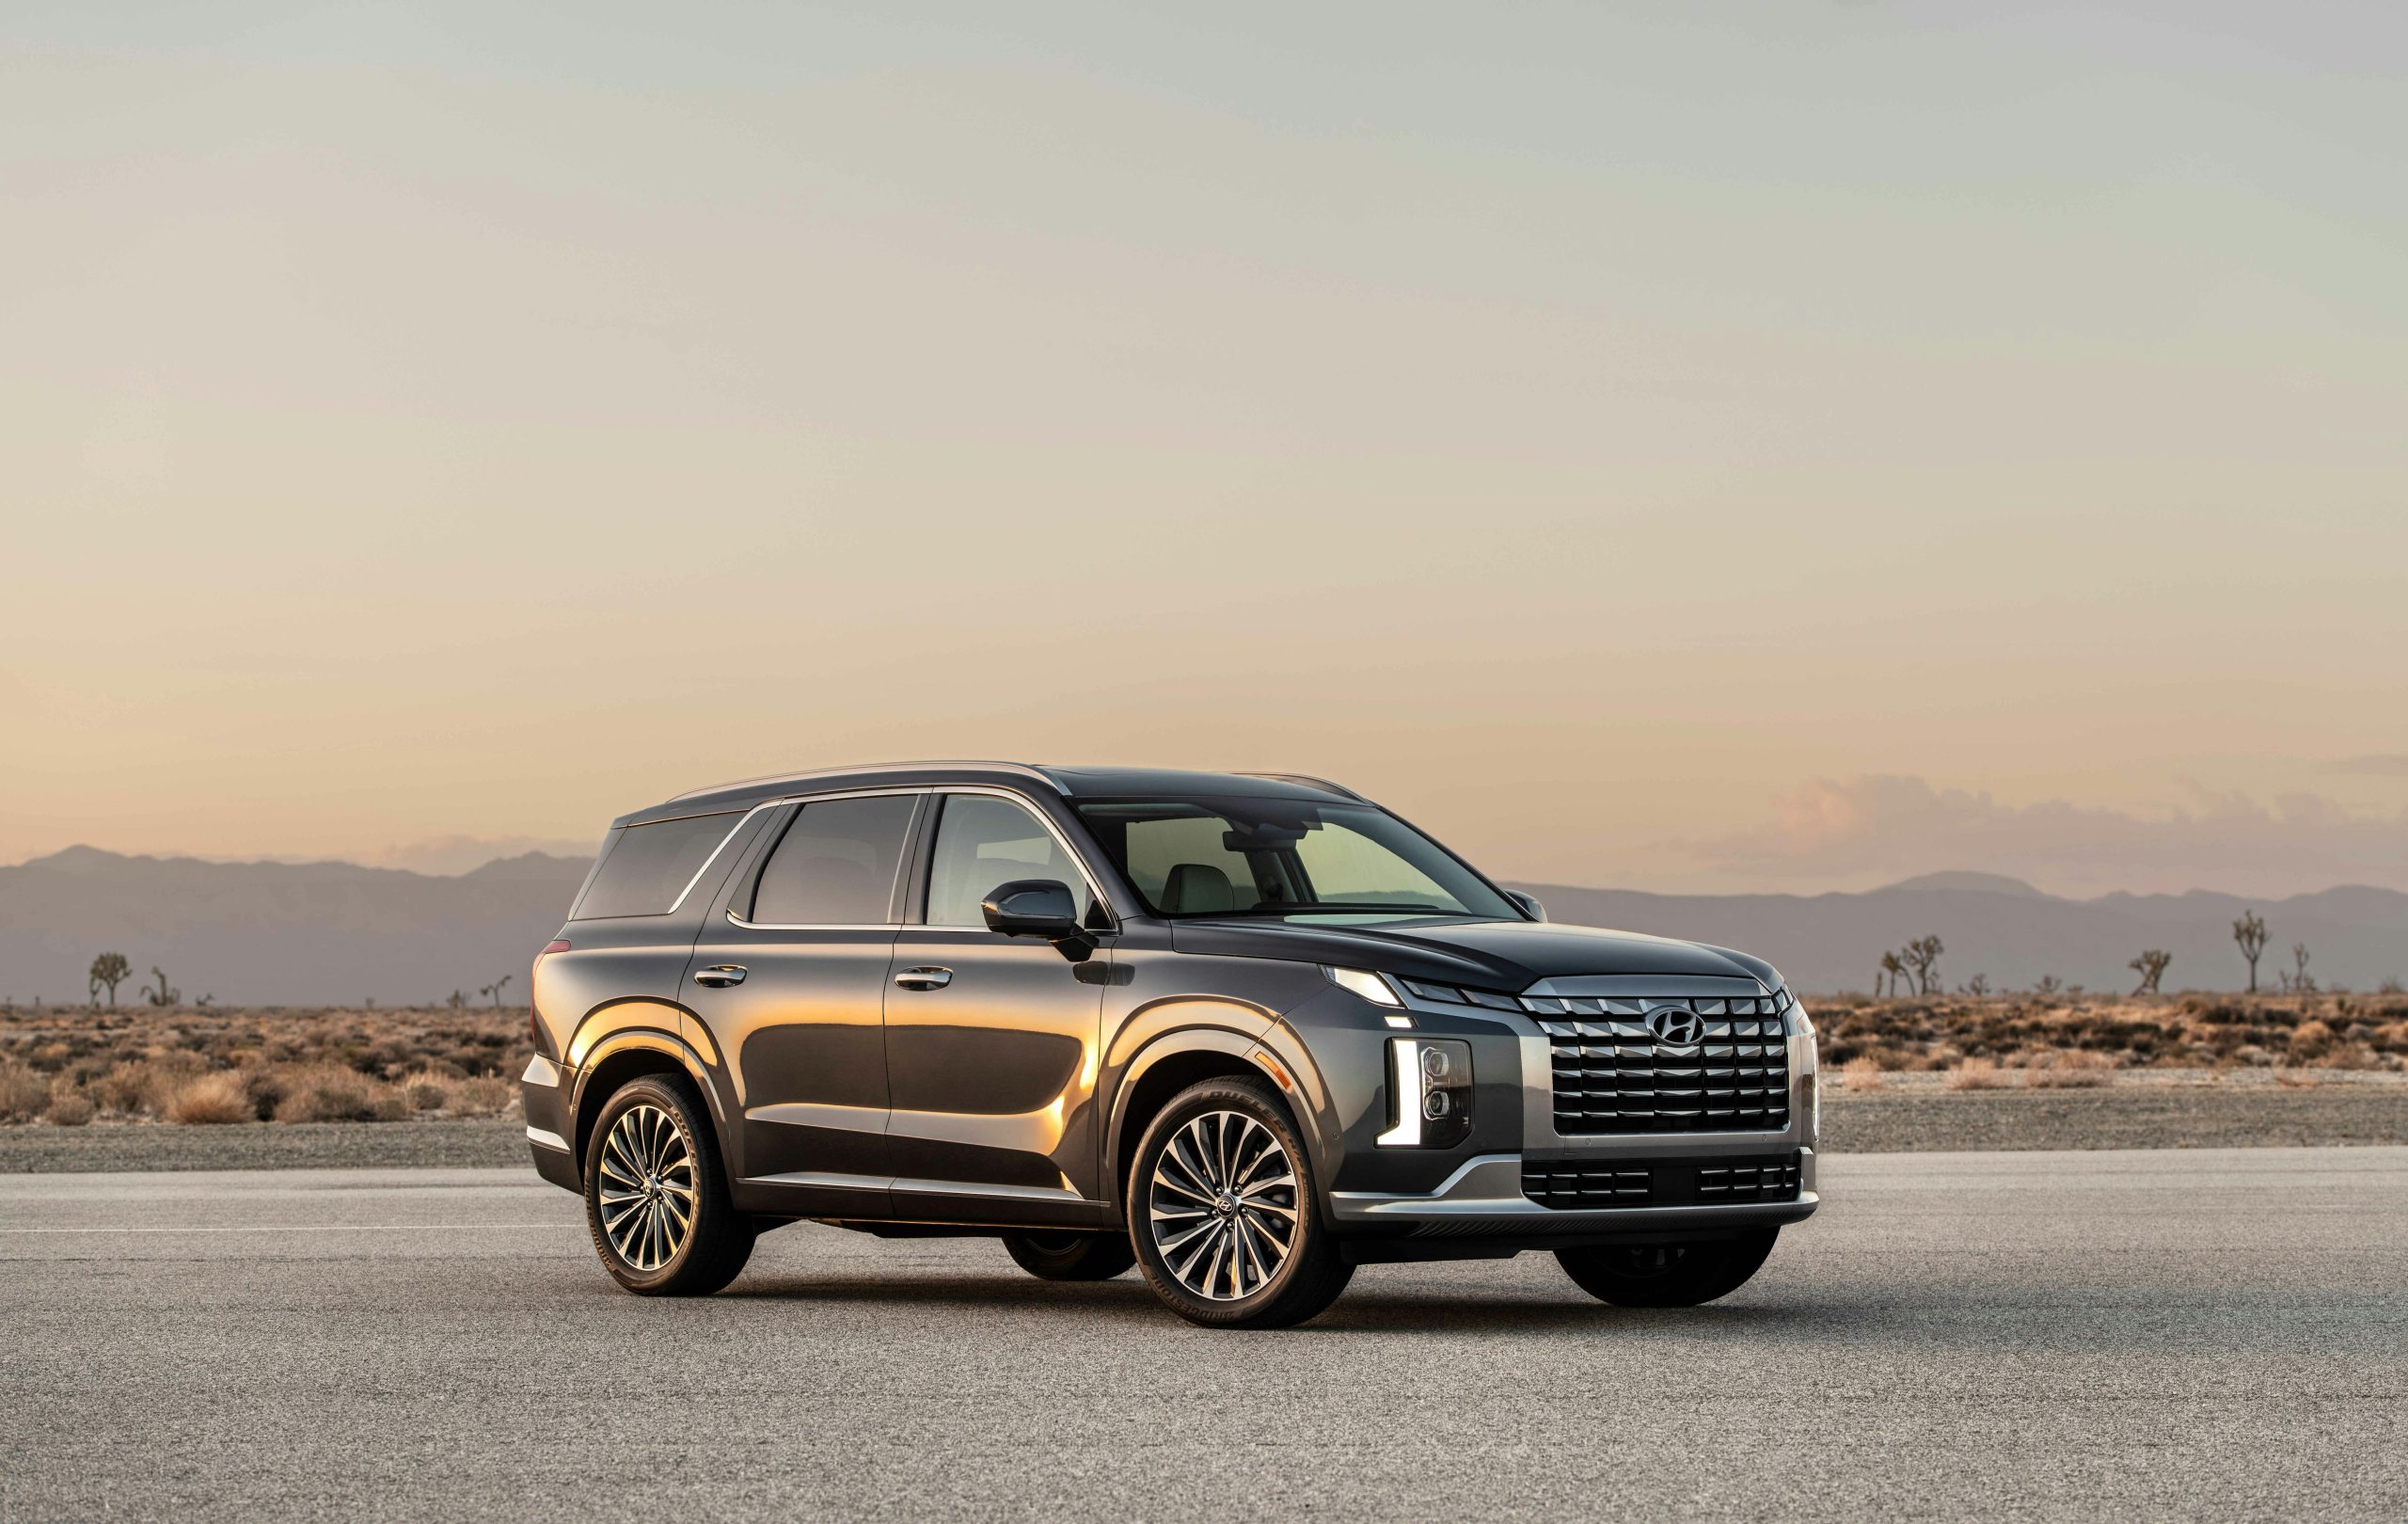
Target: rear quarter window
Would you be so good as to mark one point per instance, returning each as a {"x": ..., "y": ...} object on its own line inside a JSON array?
[{"x": 645, "y": 867}]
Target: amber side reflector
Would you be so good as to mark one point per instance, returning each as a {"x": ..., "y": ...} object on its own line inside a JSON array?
[{"x": 1272, "y": 1067}]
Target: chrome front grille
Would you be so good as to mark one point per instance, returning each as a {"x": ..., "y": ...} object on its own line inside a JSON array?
[{"x": 1672, "y": 1065}]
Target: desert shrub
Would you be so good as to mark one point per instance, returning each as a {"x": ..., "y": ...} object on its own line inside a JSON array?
[
  {"x": 68, "y": 1106},
  {"x": 425, "y": 1092},
  {"x": 209, "y": 1101},
  {"x": 24, "y": 1093},
  {"x": 329, "y": 1092},
  {"x": 1979, "y": 1074},
  {"x": 2310, "y": 1040},
  {"x": 2348, "y": 1055},
  {"x": 1862, "y": 1073},
  {"x": 2072, "y": 1068},
  {"x": 487, "y": 1095}
]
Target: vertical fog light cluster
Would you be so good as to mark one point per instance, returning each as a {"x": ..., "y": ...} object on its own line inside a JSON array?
[{"x": 1429, "y": 1093}]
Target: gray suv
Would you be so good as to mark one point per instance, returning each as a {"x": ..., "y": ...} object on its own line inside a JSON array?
[{"x": 1242, "y": 1031}]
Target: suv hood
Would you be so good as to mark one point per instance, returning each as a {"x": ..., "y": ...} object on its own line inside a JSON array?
[{"x": 1508, "y": 956}]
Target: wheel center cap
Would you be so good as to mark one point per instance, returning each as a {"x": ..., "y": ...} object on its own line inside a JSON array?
[{"x": 1228, "y": 1206}]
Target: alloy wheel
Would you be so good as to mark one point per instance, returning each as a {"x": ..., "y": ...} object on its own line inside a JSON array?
[
  {"x": 647, "y": 1188},
  {"x": 1222, "y": 1206}
]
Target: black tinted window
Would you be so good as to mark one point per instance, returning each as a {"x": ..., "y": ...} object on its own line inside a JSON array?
[
  {"x": 835, "y": 865},
  {"x": 645, "y": 867}
]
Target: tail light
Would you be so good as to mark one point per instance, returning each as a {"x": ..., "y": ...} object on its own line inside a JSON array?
[{"x": 535, "y": 1020}]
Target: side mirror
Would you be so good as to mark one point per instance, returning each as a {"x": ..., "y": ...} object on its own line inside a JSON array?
[
  {"x": 1038, "y": 908},
  {"x": 1529, "y": 904}
]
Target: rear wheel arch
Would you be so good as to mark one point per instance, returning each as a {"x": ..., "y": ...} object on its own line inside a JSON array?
[{"x": 629, "y": 1054}]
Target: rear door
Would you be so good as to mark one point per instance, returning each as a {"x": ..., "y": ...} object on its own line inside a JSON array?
[
  {"x": 992, "y": 1040},
  {"x": 788, "y": 978}
]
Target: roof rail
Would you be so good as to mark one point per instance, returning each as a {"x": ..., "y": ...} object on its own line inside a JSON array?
[
  {"x": 774, "y": 778},
  {"x": 1307, "y": 780}
]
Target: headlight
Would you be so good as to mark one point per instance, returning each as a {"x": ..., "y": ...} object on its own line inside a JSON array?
[
  {"x": 1429, "y": 1093},
  {"x": 1362, "y": 982}
]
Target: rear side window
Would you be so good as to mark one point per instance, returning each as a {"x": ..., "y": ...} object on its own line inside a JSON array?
[
  {"x": 645, "y": 867},
  {"x": 835, "y": 865}
]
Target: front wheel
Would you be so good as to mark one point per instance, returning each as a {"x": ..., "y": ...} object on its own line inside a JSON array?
[
  {"x": 656, "y": 1193},
  {"x": 1668, "y": 1275},
  {"x": 1070, "y": 1255},
  {"x": 1221, "y": 1211}
]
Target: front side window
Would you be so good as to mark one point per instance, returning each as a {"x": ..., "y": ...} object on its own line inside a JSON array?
[
  {"x": 983, "y": 842},
  {"x": 1284, "y": 857},
  {"x": 835, "y": 865},
  {"x": 645, "y": 867}
]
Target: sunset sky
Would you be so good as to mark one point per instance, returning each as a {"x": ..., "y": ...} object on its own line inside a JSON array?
[{"x": 1675, "y": 447}]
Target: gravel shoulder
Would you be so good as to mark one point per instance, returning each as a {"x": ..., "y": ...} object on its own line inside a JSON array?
[{"x": 1901, "y": 1121}]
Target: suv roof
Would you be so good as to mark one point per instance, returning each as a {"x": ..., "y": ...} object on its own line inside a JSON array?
[{"x": 1069, "y": 781}]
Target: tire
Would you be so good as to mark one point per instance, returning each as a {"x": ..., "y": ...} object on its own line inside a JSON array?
[
  {"x": 1071, "y": 1255},
  {"x": 1668, "y": 1275},
  {"x": 1218, "y": 1260},
  {"x": 653, "y": 1151}
]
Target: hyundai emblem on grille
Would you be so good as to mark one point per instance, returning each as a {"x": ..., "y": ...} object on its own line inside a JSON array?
[{"x": 1676, "y": 1024}]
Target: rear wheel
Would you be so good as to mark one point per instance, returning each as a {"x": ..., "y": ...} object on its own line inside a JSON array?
[
  {"x": 1222, "y": 1211},
  {"x": 656, "y": 1193},
  {"x": 1072, "y": 1255},
  {"x": 1668, "y": 1275}
]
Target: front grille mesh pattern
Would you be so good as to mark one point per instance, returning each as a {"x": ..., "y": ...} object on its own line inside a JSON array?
[
  {"x": 1617, "y": 1070},
  {"x": 1711, "y": 1182}
]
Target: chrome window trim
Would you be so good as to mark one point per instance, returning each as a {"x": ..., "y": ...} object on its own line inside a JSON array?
[
  {"x": 677, "y": 903},
  {"x": 902, "y": 868}
]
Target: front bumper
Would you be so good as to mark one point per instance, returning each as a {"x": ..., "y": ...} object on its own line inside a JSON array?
[{"x": 1484, "y": 1197}]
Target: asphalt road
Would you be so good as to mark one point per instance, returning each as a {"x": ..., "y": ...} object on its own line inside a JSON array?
[{"x": 2191, "y": 1335}]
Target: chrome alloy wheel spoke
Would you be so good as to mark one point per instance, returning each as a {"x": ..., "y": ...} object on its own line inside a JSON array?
[
  {"x": 1222, "y": 1206},
  {"x": 647, "y": 1191}
]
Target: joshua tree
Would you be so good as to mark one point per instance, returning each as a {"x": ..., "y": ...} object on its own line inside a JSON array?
[
  {"x": 1978, "y": 985},
  {"x": 165, "y": 995},
  {"x": 2250, "y": 932},
  {"x": 1892, "y": 970},
  {"x": 2150, "y": 966},
  {"x": 2300, "y": 981},
  {"x": 494, "y": 990},
  {"x": 459, "y": 998},
  {"x": 2049, "y": 987},
  {"x": 109, "y": 970},
  {"x": 1922, "y": 956}
]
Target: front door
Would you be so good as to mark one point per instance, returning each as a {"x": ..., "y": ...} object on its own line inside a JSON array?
[
  {"x": 789, "y": 978},
  {"x": 992, "y": 1040}
]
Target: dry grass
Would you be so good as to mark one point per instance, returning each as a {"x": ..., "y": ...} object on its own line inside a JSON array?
[
  {"x": 207, "y": 1101},
  {"x": 68, "y": 1068},
  {"x": 1862, "y": 1073},
  {"x": 2069, "y": 1068},
  {"x": 1979, "y": 1074}
]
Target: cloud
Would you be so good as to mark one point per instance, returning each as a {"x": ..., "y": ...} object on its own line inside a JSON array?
[
  {"x": 1872, "y": 830},
  {"x": 2382, "y": 764}
]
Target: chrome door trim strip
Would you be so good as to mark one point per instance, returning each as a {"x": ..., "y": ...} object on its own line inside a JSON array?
[
  {"x": 818, "y": 1114},
  {"x": 822, "y": 1179},
  {"x": 901, "y": 866},
  {"x": 680, "y": 900},
  {"x": 1005, "y": 1193}
]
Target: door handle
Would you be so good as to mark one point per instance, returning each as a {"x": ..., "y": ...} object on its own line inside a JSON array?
[
  {"x": 928, "y": 977},
  {"x": 720, "y": 976}
]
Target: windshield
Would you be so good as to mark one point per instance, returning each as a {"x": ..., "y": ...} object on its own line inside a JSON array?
[{"x": 1284, "y": 857}]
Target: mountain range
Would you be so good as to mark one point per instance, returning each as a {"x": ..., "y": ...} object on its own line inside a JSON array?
[{"x": 324, "y": 933}]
